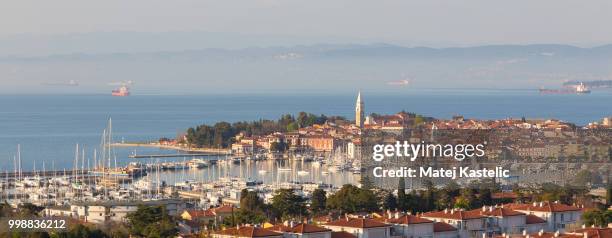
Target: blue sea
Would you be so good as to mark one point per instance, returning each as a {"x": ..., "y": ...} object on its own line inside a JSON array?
[{"x": 49, "y": 126}]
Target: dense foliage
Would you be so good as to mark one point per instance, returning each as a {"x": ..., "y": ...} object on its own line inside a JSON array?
[
  {"x": 351, "y": 199},
  {"x": 288, "y": 205},
  {"x": 597, "y": 217},
  {"x": 318, "y": 201},
  {"x": 152, "y": 221},
  {"x": 221, "y": 134}
]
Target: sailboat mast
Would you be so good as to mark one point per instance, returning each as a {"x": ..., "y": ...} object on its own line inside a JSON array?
[
  {"x": 19, "y": 159},
  {"x": 76, "y": 163}
]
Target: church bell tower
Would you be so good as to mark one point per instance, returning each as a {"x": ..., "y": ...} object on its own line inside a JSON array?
[{"x": 359, "y": 114}]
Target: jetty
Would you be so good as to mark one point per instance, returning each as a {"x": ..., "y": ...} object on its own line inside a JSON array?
[{"x": 175, "y": 155}]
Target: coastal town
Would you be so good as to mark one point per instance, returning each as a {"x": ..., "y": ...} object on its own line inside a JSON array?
[{"x": 281, "y": 179}]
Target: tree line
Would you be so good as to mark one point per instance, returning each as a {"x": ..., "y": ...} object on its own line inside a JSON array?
[{"x": 222, "y": 134}]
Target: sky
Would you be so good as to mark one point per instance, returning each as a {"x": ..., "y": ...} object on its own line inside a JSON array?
[
  {"x": 406, "y": 22},
  {"x": 33, "y": 28}
]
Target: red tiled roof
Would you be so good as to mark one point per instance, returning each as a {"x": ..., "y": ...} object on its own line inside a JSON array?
[
  {"x": 501, "y": 195},
  {"x": 594, "y": 232},
  {"x": 342, "y": 234},
  {"x": 325, "y": 218},
  {"x": 498, "y": 212},
  {"x": 552, "y": 235},
  {"x": 248, "y": 231},
  {"x": 280, "y": 228},
  {"x": 307, "y": 228},
  {"x": 543, "y": 207},
  {"x": 357, "y": 223},
  {"x": 223, "y": 209},
  {"x": 454, "y": 214},
  {"x": 200, "y": 213},
  {"x": 299, "y": 228},
  {"x": 405, "y": 219},
  {"x": 442, "y": 227},
  {"x": 533, "y": 219}
]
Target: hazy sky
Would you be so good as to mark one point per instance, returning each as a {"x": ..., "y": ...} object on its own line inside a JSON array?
[
  {"x": 35, "y": 28},
  {"x": 407, "y": 22}
]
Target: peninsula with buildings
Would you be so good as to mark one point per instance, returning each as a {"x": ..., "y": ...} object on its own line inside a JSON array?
[{"x": 309, "y": 176}]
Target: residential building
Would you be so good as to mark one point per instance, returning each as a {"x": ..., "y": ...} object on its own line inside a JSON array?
[
  {"x": 302, "y": 230},
  {"x": 534, "y": 224},
  {"x": 408, "y": 225},
  {"x": 503, "y": 220},
  {"x": 361, "y": 227},
  {"x": 557, "y": 215},
  {"x": 468, "y": 223},
  {"x": 444, "y": 230}
]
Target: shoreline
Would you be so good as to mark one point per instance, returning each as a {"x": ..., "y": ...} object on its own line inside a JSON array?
[{"x": 174, "y": 147}]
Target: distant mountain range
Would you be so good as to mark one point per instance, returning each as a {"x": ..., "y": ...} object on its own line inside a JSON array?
[
  {"x": 591, "y": 84},
  {"x": 338, "y": 51},
  {"x": 330, "y": 67}
]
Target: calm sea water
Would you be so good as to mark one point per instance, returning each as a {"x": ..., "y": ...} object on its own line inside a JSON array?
[{"x": 49, "y": 126}]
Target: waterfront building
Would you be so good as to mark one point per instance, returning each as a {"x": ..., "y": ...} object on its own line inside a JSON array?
[
  {"x": 58, "y": 211},
  {"x": 320, "y": 143},
  {"x": 395, "y": 123},
  {"x": 359, "y": 111},
  {"x": 105, "y": 211},
  {"x": 607, "y": 121},
  {"x": 242, "y": 148},
  {"x": 353, "y": 149}
]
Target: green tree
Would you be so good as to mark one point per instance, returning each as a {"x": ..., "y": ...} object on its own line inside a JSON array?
[
  {"x": 469, "y": 195},
  {"x": 286, "y": 204},
  {"x": 366, "y": 182},
  {"x": 597, "y": 217},
  {"x": 402, "y": 201},
  {"x": 429, "y": 195},
  {"x": 244, "y": 216},
  {"x": 293, "y": 126},
  {"x": 389, "y": 201},
  {"x": 151, "y": 221},
  {"x": 80, "y": 231},
  {"x": 485, "y": 196},
  {"x": 609, "y": 193},
  {"x": 419, "y": 120},
  {"x": 351, "y": 199},
  {"x": 280, "y": 146},
  {"x": 251, "y": 201},
  {"x": 29, "y": 209},
  {"x": 586, "y": 177},
  {"x": 318, "y": 201},
  {"x": 463, "y": 203},
  {"x": 5, "y": 209}
]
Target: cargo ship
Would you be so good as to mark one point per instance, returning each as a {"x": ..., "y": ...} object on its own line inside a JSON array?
[
  {"x": 580, "y": 89},
  {"x": 122, "y": 91}
]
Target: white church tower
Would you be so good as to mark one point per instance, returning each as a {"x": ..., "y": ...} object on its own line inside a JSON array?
[{"x": 359, "y": 112}]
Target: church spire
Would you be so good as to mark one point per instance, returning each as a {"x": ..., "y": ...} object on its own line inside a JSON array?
[{"x": 359, "y": 111}]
